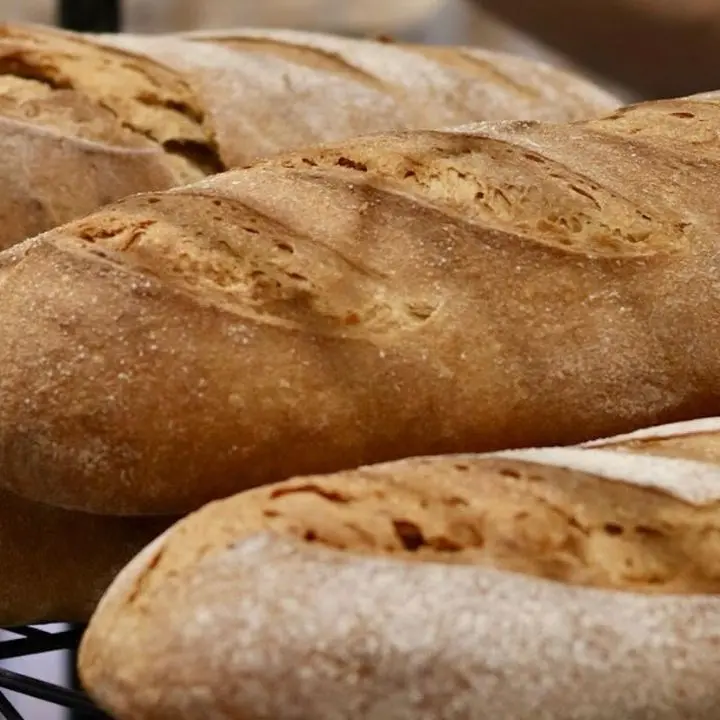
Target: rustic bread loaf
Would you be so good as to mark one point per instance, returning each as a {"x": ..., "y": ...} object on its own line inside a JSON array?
[
  {"x": 272, "y": 90},
  {"x": 404, "y": 294},
  {"x": 83, "y": 123},
  {"x": 56, "y": 564},
  {"x": 572, "y": 583}
]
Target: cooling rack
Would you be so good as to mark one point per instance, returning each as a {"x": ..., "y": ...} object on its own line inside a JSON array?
[{"x": 25, "y": 642}]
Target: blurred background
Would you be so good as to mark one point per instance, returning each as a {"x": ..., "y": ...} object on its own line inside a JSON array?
[
  {"x": 635, "y": 48},
  {"x": 436, "y": 21},
  {"x": 430, "y": 21}
]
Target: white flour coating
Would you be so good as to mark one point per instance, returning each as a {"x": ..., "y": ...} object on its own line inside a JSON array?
[
  {"x": 390, "y": 63},
  {"x": 406, "y": 88},
  {"x": 689, "y": 480},
  {"x": 272, "y": 628},
  {"x": 403, "y": 66},
  {"x": 546, "y": 80},
  {"x": 487, "y": 83},
  {"x": 262, "y": 104},
  {"x": 712, "y": 96},
  {"x": 659, "y": 432}
]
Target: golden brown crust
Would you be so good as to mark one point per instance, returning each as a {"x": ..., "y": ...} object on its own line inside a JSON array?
[
  {"x": 507, "y": 584},
  {"x": 512, "y": 514},
  {"x": 148, "y": 98},
  {"x": 84, "y": 122},
  {"x": 398, "y": 295},
  {"x": 82, "y": 125}
]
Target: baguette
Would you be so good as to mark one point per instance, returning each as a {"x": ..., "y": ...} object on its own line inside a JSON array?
[
  {"x": 56, "y": 564},
  {"x": 564, "y": 583},
  {"x": 84, "y": 123},
  {"x": 268, "y": 91},
  {"x": 405, "y": 294}
]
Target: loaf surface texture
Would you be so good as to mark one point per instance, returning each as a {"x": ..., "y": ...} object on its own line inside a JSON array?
[
  {"x": 563, "y": 583},
  {"x": 417, "y": 293},
  {"x": 84, "y": 123},
  {"x": 268, "y": 91},
  {"x": 56, "y": 564},
  {"x": 694, "y": 440}
]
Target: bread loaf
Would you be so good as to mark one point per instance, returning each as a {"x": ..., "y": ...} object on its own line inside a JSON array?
[
  {"x": 83, "y": 123},
  {"x": 56, "y": 564},
  {"x": 271, "y": 90},
  {"x": 404, "y": 294},
  {"x": 570, "y": 583}
]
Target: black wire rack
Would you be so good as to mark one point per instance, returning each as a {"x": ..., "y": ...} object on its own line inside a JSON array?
[{"x": 24, "y": 642}]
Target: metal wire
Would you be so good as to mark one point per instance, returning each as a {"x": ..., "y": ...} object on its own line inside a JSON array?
[
  {"x": 39, "y": 642},
  {"x": 34, "y": 641},
  {"x": 7, "y": 709}
]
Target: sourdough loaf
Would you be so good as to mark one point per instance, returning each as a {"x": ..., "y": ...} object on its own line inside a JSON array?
[
  {"x": 507, "y": 285},
  {"x": 56, "y": 564},
  {"x": 83, "y": 123},
  {"x": 563, "y": 583}
]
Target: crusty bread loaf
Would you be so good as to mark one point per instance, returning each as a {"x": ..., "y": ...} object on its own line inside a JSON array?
[
  {"x": 570, "y": 583},
  {"x": 271, "y": 90},
  {"x": 56, "y": 564},
  {"x": 404, "y": 294},
  {"x": 83, "y": 123}
]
